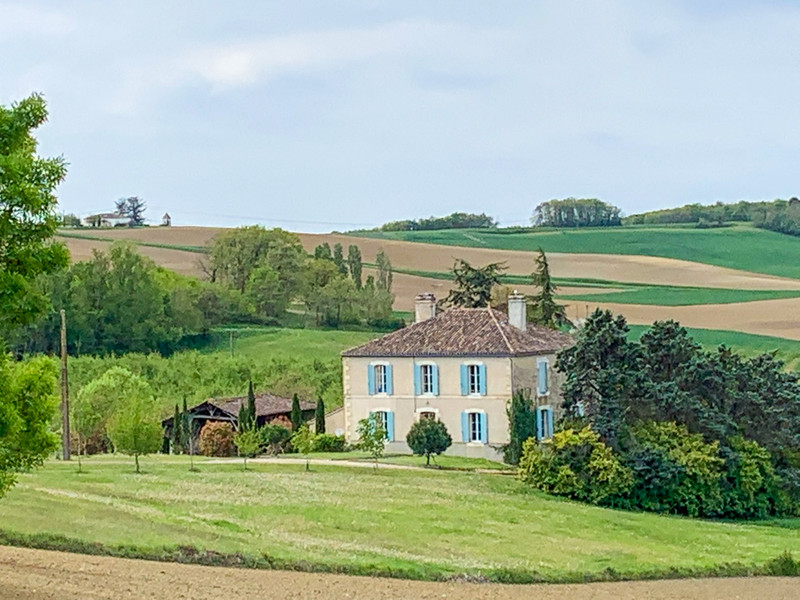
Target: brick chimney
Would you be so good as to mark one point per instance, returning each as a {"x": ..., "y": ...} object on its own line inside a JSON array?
[
  {"x": 517, "y": 310},
  {"x": 424, "y": 307}
]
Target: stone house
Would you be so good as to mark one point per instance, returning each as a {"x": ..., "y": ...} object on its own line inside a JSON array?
[{"x": 461, "y": 366}]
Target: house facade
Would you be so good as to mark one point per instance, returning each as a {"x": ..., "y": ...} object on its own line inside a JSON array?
[{"x": 462, "y": 367}]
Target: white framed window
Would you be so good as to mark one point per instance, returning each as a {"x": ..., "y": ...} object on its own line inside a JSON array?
[
  {"x": 381, "y": 379},
  {"x": 427, "y": 378},
  {"x": 475, "y": 427},
  {"x": 427, "y": 415},
  {"x": 544, "y": 422},
  {"x": 474, "y": 373},
  {"x": 383, "y": 417}
]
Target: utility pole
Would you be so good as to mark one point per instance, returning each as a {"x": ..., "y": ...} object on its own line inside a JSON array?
[
  {"x": 64, "y": 390},
  {"x": 230, "y": 341}
]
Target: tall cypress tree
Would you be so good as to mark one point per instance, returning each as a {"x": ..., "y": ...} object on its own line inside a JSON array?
[
  {"x": 297, "y": 415},
  {"x": 544, "y": 308},
  {"x": 319, "y": 417},
  {"x": 251, "y": 406},
  {"x": 186, "y": 429}
]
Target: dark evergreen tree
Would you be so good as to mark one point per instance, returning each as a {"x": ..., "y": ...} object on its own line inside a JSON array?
[
  {"x": 319, "y": 417},
  {"x": 521, "y": 425},
  {"x": 474, "y": 285},
  {"x": 177, "y": 432},
  {"x": 544, "y": 310},
  {"x": 297, "y": 414}
]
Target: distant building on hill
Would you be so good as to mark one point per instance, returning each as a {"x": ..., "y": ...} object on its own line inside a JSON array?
[
  {"x": 166, "y": 220},
  {"x": 462, "y": 367},
  {"x": 106, "y": 220}
]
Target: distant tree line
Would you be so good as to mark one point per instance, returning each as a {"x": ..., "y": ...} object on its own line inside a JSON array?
[
  {"x": 782, "y": 216},
  {"x": 576, "y": 212},
  {"x": 456, "y": 220},
  {"x": 660, "y": 424}
]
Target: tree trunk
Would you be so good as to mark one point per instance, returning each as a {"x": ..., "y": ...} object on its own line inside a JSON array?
[
  {"x": 427, "y": 460},
  {"x": 136, "y": 460}
]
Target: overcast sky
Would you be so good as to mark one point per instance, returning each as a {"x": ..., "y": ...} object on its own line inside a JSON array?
[{"x": 334, "y": 115}]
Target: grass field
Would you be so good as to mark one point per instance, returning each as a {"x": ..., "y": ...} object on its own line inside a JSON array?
[
  {"x": 744, "y": 343},
  {"x": 738, "y": 247},
  {"x": 411, "y": 523}
]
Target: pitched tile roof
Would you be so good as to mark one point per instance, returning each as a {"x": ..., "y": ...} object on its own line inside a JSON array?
[
  {"x": 465, "y": 332},
  {"x": 267, "y": 405}
]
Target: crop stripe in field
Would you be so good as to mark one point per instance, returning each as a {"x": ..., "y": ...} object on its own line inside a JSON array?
[{"x": 99, "y": 238}]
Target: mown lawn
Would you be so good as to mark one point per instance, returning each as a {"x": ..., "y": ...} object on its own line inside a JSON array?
[
  {"x": 738, "y": 247},
  {"x": 411, "y": 523}
]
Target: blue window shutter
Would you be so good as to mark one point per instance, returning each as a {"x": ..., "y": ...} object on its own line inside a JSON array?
[
  {"x": 542, "y": 378},
  {"x": 435, "y": 380},
  {"x": 417, "y": 380},
  {"x": 539, "y": 423},
  {"x": 550, "y": 420},
  {"x": 371, "y": 379},
  {"x": 390, "y": 426},
  {"x": 389, "y": 380},
  {"x": 464, "y": 380},
  {"x": 482, "y": 377},
  {"x": 484, "y": 428},
  {"x": 464, "y": 427}
]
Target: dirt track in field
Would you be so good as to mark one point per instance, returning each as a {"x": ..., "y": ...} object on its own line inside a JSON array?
[
  {"x": 779, "y": 318},
  {"x": 43, "y": 575}
]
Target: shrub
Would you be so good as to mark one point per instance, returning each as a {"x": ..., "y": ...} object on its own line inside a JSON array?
[
  {"x": 328, "y": 442},
  {"x": 688, "y": 470},
  {"x": 576, "y": 464},
  {"x": 427, "y": 437},
  {"x": 752, "y": 488},
  {"x": 216, "y": 439},
  {"x": 274, "y": 437}
]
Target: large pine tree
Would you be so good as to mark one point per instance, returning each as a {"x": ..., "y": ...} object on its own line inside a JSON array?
[{"x": 544, "y": 310}]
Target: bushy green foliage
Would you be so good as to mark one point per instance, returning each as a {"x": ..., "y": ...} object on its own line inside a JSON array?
[
  {"x": 27, "y": 407},
  {"x": 328, "y": 442},
  {"x": 216, "y": 439},
  {"x": 576, "y": 212},
  {"x": 371, "y": 436},
  {"x": 319, "y": 417},
  {"x": 428, "y": 437},
  {"x": 296, "y": 416},
  {"x": 705, "y": 433},
  {"x": 456, "y": 220},
  {"x": 134, "y": 426},
  {"x": 28, "y": 218},
  {"x": 303, "y": 441},
  {"x": 474, "y": 285},
  {"x": 575, "y": 464},
  {"x": 274, "y": 438},
  {"x": 248, "y": 443}
]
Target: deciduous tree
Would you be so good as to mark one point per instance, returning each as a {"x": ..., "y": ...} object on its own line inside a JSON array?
[
  {"x": 428, "y": 437},
  {"x": 134, "y": 426}
]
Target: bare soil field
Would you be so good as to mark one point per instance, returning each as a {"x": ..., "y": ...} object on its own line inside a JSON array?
[
  {"x": 778, "y": 318},
  {"x": 44, "y": 575},
  {"x": 175, "y": 260}
]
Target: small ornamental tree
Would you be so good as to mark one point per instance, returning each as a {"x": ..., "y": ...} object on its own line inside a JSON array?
[
  {"x": 248, "y": 442},
  {"x": 303, "y": 441},
  {"x": 297, "y": 414},
  {"x": 134, "y": 427},
  {"x": 521, "y": 425},
  {"x": 319, "y": 417},
  {"x": 216, "y": 439},
  {"x": 428, "y": 437},
  {"x": 274, "y": 437},
  {"x": 372, "y": 437}
]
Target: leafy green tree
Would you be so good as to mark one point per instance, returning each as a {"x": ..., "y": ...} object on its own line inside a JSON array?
[
  {"x": 27, "y": 407},
  {"x": 323, "y": 251},
  {"x": 473, "y": 284},
  {"x": 456, "y": 220},
  {"x": 521, "y": 425},
  {"x": 303, "y": 441},
  {"x": 384, "y": 266},
  {"x": 576, "y": 212},
  {"x": 354, "y": 264},
  {"x": 544, "y": 309},
  {"x": 28, "y": 216},
  {"x": 319, "y": 417},
  {"x": 372, "y": 436},
  {"x": 274, "y": 437},
  {"x": 338, "y": 258},
  {"x": 248, "y": 443},
  {"x": 134, "y": 426},
  {"x": 428, "y": 437},
  {"x": 70, "y": 220},
  {"x": 86, "y": 420},
  {"x": 296, "y": 415}
]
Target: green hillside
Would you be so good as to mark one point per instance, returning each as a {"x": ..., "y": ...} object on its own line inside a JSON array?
[{"x": 738, "y": 247}]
